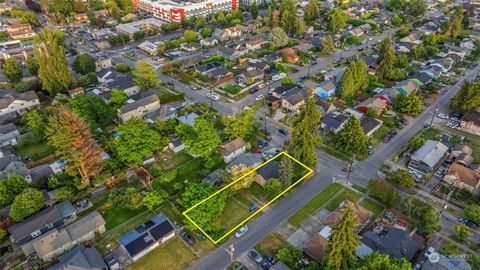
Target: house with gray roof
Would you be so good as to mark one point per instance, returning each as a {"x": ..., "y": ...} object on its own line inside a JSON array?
[
  {"x": 395, "y": 242},
  {"x": 80, "y": 258},
  {"x": 268, "y": 171},
  {"x": 8, "y": 134},
  {"x": 293, "y": 100},
  {"x": 428, "y": 157},
  {"x": 139, "y": 108},
  {"x": 12, "y": 164},
  {"x": 334, "y": 122},
  {"x": 13, "y": 104},
  {"x": 40, "y": 223}
]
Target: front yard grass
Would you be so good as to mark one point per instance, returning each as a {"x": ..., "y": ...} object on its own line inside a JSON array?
[
  {"x": 375, "y": 207},
  {"x": 449, "y": 248},
  {"x": 34, "y": 150},
  {"x": 174, "y": 255},
  {"x": 313, "y": 205},
  {"x": 232, "y": 89},
  {"x": 270, "y": 244},
  {"x": 346, "y": 194},
  {"x": 234, "y": 212}
]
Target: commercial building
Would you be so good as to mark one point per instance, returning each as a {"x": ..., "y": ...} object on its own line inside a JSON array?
[
  {"x": 146, "y": 25},
  {"x": 177, "y": 11}
]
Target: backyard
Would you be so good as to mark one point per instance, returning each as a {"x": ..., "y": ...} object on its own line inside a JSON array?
[{"x": 34, "y": 150}]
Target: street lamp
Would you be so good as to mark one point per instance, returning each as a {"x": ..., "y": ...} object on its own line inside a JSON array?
[{"x": 349, "y": 170}]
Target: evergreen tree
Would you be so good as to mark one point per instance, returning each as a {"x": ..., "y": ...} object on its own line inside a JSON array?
[
  {"x": 278, "y": 38},
  {"x": 351, "y": 140},
  {"x": 378, "y": 261},
  {"x": 387, "y": 57},
  {"x": 467, "y": 98},
  {"x": 337, "y": 20},
  {"x": 328, "y": 46},
  {"x": 286, "y": 171},
  {"x": 299, "y": 27},
  {"x": 411, "y": 104},
  {"x": 145, "y": 76},
  {"x": 305, "y": 136},
  {"x": 12, "y": 69},
  {"x": 347, "y": 84},
  {"x": 312, "y": 11},
  {"x": 343, "y": 241},
  {"x": 355, "y": 78},
  {"x": 32, "y": 65},
  {"x": 74, "y": 143},
  {"x": 52, "y": 64},
  {"x": 455, "y": 24},
  {"x": 288, "y": 11}
]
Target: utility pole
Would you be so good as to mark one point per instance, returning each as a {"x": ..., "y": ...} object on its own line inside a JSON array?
[
  {"x": 173, "y": 85},
  {"x": 308, "y": 70},
  {"x": 230, "y": 251},
  {"x": 434, "y": 114},
  {"x": 349, "y": 170}
]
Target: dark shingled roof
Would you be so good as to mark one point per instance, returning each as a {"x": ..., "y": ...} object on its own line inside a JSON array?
[
  {"x": 270, "y": 170},
  {"x": 472, "y": 116},
  {"x": 396, "y": 243}
]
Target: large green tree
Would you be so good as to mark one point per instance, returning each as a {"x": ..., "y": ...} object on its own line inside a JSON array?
[
  {"x": 145, "y": 76},
  {"x": 354, "y": 79},
  {"x": 351, "y": 140},
  {"x": 138, "y": 141},
  {"x": 290, "y": 256},
  {"x": 467, "y": 98},
  {"x": 278, "y": 38},
  {"x": 10, "y": 187},
  {"x": 93, "y": 110},
  {"x": 402, "y": 177},
  {"x": 424, "y": 216},
  {"x": 328, "y": 46},
  {"x": 205, "y": 140},
  {"x": 379, "y": 261},
  {"x": 337, "y": 20},
  {"x": 84, "y": 64},
  {"x": 288, "y": 11},
  {"x": 240, "y": 126},
  {"x": 32, "y": 65},
  {"x": 52, "y": 64},
  {"x": 286, "y": 171},
  {"x": 343, "y": 241},
  {"x": 473, "y": 212},
  {"x": 454, "y": 26},
  {"x": 387, "y": 57},
  {"x": 411, "y": 104},
  {"x": 305, "y": 136},
  {"x": 206, "y": 215},
  {"x": 12, "y": 69},
  {"x": 36, "y": 123},
  {"x": 383, "y": 191},
  {"x": 26, "y": 204},
  {"x": 312, "y": 11},
  {"x": 118, "y": 98}
]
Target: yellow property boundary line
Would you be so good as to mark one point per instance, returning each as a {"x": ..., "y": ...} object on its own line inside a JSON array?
[{"x": 310, "y": 171}]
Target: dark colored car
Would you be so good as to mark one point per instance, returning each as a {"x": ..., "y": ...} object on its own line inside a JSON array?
[
  {"x": 255, "y": 256},
  {"x": 262, "y": 144},
  {"x": 283, "y": 131},
  {"x": 468, "y": 223},
  {"x": 188, "y": 238},
  {"x": 303, "y": 78},
  {"x": 253, "y": 90},
  {"x": 387, "y": 138}
]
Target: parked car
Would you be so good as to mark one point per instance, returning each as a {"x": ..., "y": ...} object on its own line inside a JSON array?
[
  {"x": 188, "y": 238},
  {"x": 387, "y": 138},
  {"x": 260, "y": 97},
  {"x": 429, "y": 252},
  {"x": 255, "y": 256},
  {"x": 241, "y": 231},
  {"x": 213, "y": 95},
  {"x": 443, "y": 116},
  {"x": 283, "y": 131},
  {"x": 253, "y": 90},
  {"x": 469, "y": 223},
  {"x": 417, "y": 267},
  {"x": 262, "y": 144}
]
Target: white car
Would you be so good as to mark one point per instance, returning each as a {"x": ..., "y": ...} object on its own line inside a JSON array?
[
  {"x": 443, "y": 116},
  {"x": 429, "y": 252},
  {"x": 259, "y": 97},
  {"x": 213, "y": 96},
  {"x": 241, "y": 231}
]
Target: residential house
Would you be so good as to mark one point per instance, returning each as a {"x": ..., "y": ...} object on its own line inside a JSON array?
[
  {"x": 190, "y": 61},
  {"x": 335, "y": 74},
  {"x": 76, "y": 91},
  {"x": 376, "y": 104},
  {"x": 462, "y": 154},
  {"x": 462, "y": 177},
  {"x": 148, "y": 47},
  {"x": 371, "y": 62},
  {"x": 433, "y": 71},
  {"x": 251, "y": 74},
  {"x": 110, "y": 79},
  {"x": 12, "y": 164},
  {"x": 444, "y": 63},
  {"x": 394, "y": 242},
  {"x": 57, "y": 241},
  {"x": 467, "y": 43},
  {"x": 227, "y": 33},
  {"x": 13, "y": 104},
  {"x": 334, "y": 122},
  {"x": 293, "y": 100},
  {"x": 362, "y": 214},
  {"x": 204, "y": 69},
  {"x": 8, "y": 134},
  {"x": 232, "y": 149},
  {"x": 408, "y": 87},
  {"x": 428, "y": 157},
  {"x": 370, "y": 125},
  {"x": 139, "y": 108},
  {"x": 326, "y": 89},
  {"x": 403, "y": 47},
  {"x": 255, "y": 44},
  {"x": 289, "y": 54},
  {"x": 138, "y": 242},
  {"x": 252, "y": 160},
  {"x": 325, "y": 106},
  {"x": 15, "y": 49},
  {"x": 470, "y": 122},
  {"x": 209, "y": 42},
  {"x": 80, "y": 258},
  {"x": 220, "y": 74},
  {"x": 176, "y": 145},
  {"x": 80, "y": 18},
  {"x": 40, "y": 223},
  {"x": 20, "y": 31},
  {"x": 414, "y": 37},
  {"x": 232, "y": 53},
  {"x": 279, "y": 91},
  {"x": 388, "y": 95},
  {"x": 101, "y": 37},
  {"x": 102, "y": 61},
  {"x": 270, "y": 170},
  {"x": 100, "y": 13},
  {"x": 304, "y": 47},
  {"x": 190, "y": 47},
  {"x": 456, "y": 53},
  {"x": 356, "y": 31},
  {"x": 423, "y": 77}
]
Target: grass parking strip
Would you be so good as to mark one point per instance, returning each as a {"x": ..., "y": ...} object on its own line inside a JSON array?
[{"x": 215, "y": 241}]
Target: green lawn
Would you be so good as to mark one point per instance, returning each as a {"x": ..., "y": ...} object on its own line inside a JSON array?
[
  {"x": 258, "y": 191},
  {"x": 346, "y": 194},
  {"x": 449, "y": 248},
  {"x": 430, "y": 134},
  {"x": 270, "y": 244},
  {"x": 175, "y": 161},
  {"x": 314, "y": 204},
  {"x": 174, "y": 255},
  {"x": 34, "y": 151},
  {"x": 373, "y": 206},
  {"x": 115, "y": 216},
  {"x": 235, "y": 211},
  {"x": 360, "y": 188}
]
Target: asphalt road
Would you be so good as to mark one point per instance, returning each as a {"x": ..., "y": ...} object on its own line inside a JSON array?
[{"x": 328, "y": 167}]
